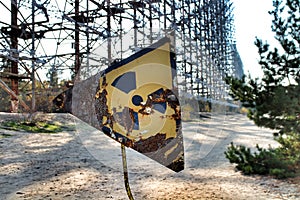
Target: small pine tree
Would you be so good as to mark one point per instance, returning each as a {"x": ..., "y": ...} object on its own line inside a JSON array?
[{"x": 274, "y": 101}]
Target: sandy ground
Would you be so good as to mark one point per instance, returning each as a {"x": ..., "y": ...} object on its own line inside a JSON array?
[{"x": 85, "y": 164}]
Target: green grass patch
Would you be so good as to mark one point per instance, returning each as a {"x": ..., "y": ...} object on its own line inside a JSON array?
[
  {"x": 5, "y": 135},
  {"x": 36, "y": 127}
]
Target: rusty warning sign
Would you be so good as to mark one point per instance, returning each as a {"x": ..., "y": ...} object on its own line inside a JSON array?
[{"x": 136, "y": 103}]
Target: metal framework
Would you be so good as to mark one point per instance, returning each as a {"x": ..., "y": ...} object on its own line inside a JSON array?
[{"x": 81, "y": 37}]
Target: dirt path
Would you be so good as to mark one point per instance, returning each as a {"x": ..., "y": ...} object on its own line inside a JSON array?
[{"x": 85, "y": 164}]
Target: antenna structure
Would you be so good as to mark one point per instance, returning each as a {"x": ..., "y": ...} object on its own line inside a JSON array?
[{"x": 49, "y": 40}]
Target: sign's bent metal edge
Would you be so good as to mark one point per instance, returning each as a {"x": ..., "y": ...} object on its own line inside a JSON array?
[{"x": 136, "y": 103}]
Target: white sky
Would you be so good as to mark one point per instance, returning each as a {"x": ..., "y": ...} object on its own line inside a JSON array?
[{"x": 251, "y": 20}]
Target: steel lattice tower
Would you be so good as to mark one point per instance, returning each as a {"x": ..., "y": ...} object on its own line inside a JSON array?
[{"x": 82, "y": 37}]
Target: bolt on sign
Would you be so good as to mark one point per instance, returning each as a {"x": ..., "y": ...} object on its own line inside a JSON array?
[{"x": 136, "y": 103}]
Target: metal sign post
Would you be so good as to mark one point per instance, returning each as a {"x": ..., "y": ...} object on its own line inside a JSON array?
[{"x": 125, "y": 171}]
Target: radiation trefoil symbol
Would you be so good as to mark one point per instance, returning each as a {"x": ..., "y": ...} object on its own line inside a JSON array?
[{"x": 136, "y": 104}]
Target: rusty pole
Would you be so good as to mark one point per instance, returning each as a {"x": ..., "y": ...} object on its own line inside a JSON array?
[
  {"x": 15, "y": 55},
  {"x": 33, "y": 96},
  {"x": 77, "y": 50}
]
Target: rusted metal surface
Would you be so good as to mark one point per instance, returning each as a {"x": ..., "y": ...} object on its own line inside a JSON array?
[
  {"x": 140, "y": 109},
  {"x": 13, "y": 94}
]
